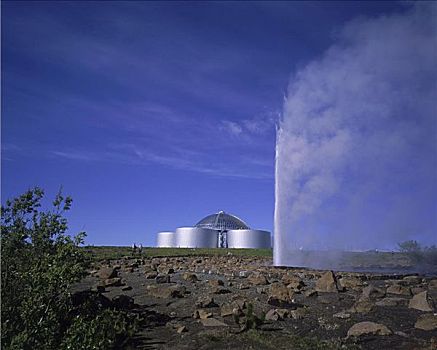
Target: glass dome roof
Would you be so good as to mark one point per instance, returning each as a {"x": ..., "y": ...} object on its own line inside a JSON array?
[{"x": 222, "y": 221}]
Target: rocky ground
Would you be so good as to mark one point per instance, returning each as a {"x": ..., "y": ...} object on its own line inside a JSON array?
[{"x": 230, "y": 302}]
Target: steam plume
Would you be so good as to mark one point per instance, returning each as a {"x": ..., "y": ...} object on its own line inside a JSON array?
[{"x": 356, "y": 163}]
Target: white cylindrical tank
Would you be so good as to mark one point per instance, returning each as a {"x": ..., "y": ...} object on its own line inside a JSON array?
[
  {"x": 165, "y": 239},
  {"x": 195, "y": 237},
  {"x": 248, "y": 239}
]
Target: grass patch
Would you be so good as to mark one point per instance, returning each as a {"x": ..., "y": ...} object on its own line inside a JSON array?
[
  {"x": 273, "y": 340},
  {"x": 97, "y": 253}
]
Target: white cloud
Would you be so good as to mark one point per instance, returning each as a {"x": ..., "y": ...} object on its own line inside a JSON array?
[{"x": 233, "y": 128}]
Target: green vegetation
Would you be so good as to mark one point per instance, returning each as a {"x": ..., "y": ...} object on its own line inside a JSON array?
[
  {"x": 419, "y": 254},
  {"x": 269, "y": 340},
  {"x": 39, "y": 263},
  {"x": 98, "y": 253}
]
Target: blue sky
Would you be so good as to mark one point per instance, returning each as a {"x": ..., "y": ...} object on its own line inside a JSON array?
[{"x": 152, "y": 115}]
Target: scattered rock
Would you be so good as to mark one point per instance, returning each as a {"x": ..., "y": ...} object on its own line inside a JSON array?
[
  {"x": 216, "y": 283},
  {"x": 362, "y": 306},
  {"x": 342, "y": 314},
  {"x": 280, "y": 293},
  {"x": 327, "y": 324},
  {"x": 205, "y": 302},
  {"x": 401, "y": 334},
  {"x": 420, "y": 302},
  {"x": 350, "y": 282},
  {"x": 241, "y": 303},
  {"x": 411, "y": 280},
  {"x": 212, "y": 322},
  {"x": 162, "y": 279},
  {"x": 202, "y": 314},
  {"x": 432, "y": 284},
  {"x": 417, "y": 290},
  {"x": 426, "y": 322},
  {"x": 229, "y": 309},
  {"x": 258, "y": 279},
  {"x": 297, "y": 314},
  {"x": 372, "y": 293},
  {"x": 399, "y": 290},
  {"x": 113, "y": 282},
  {"x": 328, "y": 298},
  {"x": 100, "y": 287},
  {"x": 262, "y": 290},
  {"x": 392, "y": 302},
  {"x": 327, "y": 283},
  {"x": 165, "y": 270},
  {"x": 181, "y": 329},
  {"x": 221, "y": 290},
  {"x": 190, "y": 277},
  {"x": 107, "y": 272},
  {"x": 271, "y": 315},
  {"x": 310, "y": 293},
  {"x": 174, "y": 291},
  {"x": 243, "y": 274},
  {"x": 366, "y": 327},
  {"x": 151, "y": 275}
]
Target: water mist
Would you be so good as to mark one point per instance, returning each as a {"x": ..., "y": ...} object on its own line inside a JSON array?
[{"x": 356, "y": 147}]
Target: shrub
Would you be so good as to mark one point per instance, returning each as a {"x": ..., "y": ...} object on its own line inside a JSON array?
[
  {"x": 420, "y": 255},
  {"x": 39, "y": 263}
]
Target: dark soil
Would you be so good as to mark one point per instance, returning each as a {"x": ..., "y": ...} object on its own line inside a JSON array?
[{"x": 317, "y": 327}]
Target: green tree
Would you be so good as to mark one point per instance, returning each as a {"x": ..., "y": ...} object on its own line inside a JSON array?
[
  {"x": 409, "y": 246},
  {"x": 39, "y": 264}
]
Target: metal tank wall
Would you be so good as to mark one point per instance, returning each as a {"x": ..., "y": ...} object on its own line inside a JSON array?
[
  {"x": 165, "y": 239},
  {"x": 248, "y": 239},
  {"x": 195, "y": 237}
]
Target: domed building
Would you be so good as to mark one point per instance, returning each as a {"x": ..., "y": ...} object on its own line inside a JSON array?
[{"x": 219, "y": 230}]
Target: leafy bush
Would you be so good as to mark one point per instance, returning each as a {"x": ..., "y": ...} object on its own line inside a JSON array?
[
  {"x": 409, "y": 246},
  {"x": 419, "y": 254},
  {"x": 39, "y": 263}
]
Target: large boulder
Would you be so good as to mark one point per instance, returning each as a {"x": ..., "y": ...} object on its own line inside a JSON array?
[
  {"x": 107, "y": 272},
  {"x": 350, "y": 282},
  {"x": 426, "y": 322},
  {"x": 421, "y": 302},
  {"x": 366, "y": 328},
  {"x": 327, "y": 283}
]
